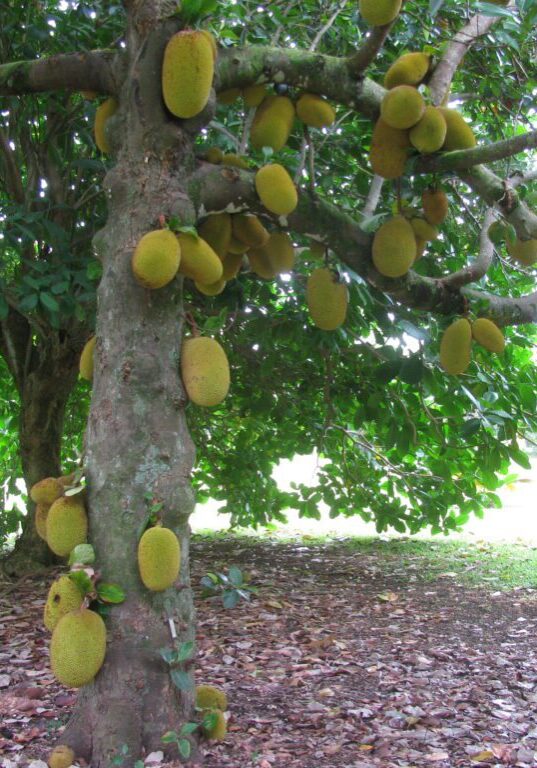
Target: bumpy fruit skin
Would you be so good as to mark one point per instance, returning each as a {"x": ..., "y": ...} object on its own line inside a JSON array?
[
  {"x": 67, "y": 525},
  {"x": 327, "y": 299},
  {"x": 394, "y": 247},
  {"x": 219, "y": 729},
  {"x": 198, "y": 260},
  {"x": 61, "y": 756},
  {"x": 276, "y": 189},
  {"x": 272, "y": 123},
  {"x": 389, "y": 150},
  {"x": 187, "y": 73},
  {"x": 78, "y": 647},
  {"x": 249, "y": 230},
  {"x": 459, "y": 135},
  {"x": 205, "y": 371},
  {"x": 159, "y": 558},
  {"x": 524, "y": 251},
  {"x": 41, "y": 514},
  {"x": 429, "y": 134},
  {"x": 102, "y": 113},
  {"x": 435, "y": 205},
  {"x": 423, "y": 230},
  {"x": 156, "y": 259},
  {"x": 409, "y": 69},
  {"x": 85, "y": 365},
  {"x": 214, "y": 289},
  {"x": 211, "y": 697},
  {"x": 254, "y": 95},
  {"x": 216, "y": 230},
  {"x": 63, "y": 597},
  {"x": 232, "y": 264},
  {"x": 456, "y": 347},
  {"x": 212, "y": 42},
  {"x": 402, "y": 107},
  {"x": 315, "y": 111},
  {"x": 487, "y": 333},
  {"x": 46, "y": 491},
  {"x": 379, "y": 12}
]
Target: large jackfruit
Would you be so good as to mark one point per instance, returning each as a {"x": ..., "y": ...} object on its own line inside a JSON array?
[
  {"x": 249, "y": 230},
  {"x": 232, "y": 264},
  {"x": 205, "y": 371},
  {"x": 524, "y": 251},
  {"x": 187, "y": 73},
  {"x": 102, "y": 113},
  {"x": 156, "y": 258},
  {"x": 85, "y": 365},
  {"x": 435, "y": 205},
  {"x": 198, "y": 260},
  {"x": 429, "y": 134},
  {"x": 254, "y": 95},
  {"x": 402, "y": 107},
  {"x": 389, "y": 150},
  {"x": 46, "y": 491},
  {"x": 276, "y": 189},
  {"x": 61, "y": 756},
  {"x": 456, "y": 347},
  {"x": 216, "y": 230},
  {"x": 272, "y": 123},
  {"x": 315, "y": 111},
  {"x": 409, "y": 69},
  {"x": 41, "y": 514},
  {"x": 394, "y": 247},
  {"x": 63, "y": 597},
  {"x": 379, "y": 12},
  {"x": 214, "y": 289},
  {"x": 159, "y": 558},
  {"x": 327, "y": 299},
  {"x": 78, "y": 647},
  {"x": 67, "y": 525},
  {"x": 487, "y": 333},
  {"x": 211, "y": 697},
  {"x": 459, "y": 135}
]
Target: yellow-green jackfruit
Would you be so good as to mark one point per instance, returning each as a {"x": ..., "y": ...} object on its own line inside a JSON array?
[
  {"x": 61, "y": 756},
  {"x": 459, "y": 135},
  {"x": 102, "y": 113},
  {"x": 402, "y": 107},
  {"x": 248, "y": 229},
  {"x": 187, "y": 73},
  {"x": 254, "y": 95},
  {"x": 67, "y": 525},
  {"x": 327, "y": 299},
  {"x": 159, "y": 558},
  {"x": 435, "y": 205},
  {"x": 46, "y": 491},
  {"x": 524, "y": 251},
  {"x": 272, "y": 123},
  {"x": 198, "y": 260},
  {"x": 214, "y": 289},
  {"x": 237, "y": 247},
  {"x": 211, "y": 697},
  {"x": 276, "y": 189},
  {"x": 394, "y": 247},
  {"x": 429, "y": 134},
  {"x": 205, "y": 371},
  {"x": 232, "y": 264},
  {"x": 315, "y": 111},
  {"x": 487, "y": 333},
  {"x": 379, "y": 12},
  {"x": 212, "y": 42},
  {"x": 409, "y": 69},
  {"x": 389, "y": 150},
  {"x": 216, "y": 230},
  {"x": 423, "y": 230},
  {"x": 86, "y": 359},
  {"x": 218, "y": 730},
  {"x": 156, "y": 258},
  {"x": 41, "y": 514},
  {"x": 63, "y": 597},
  {"x": 235, "y": 161},
  {"x": 214, "y": 155},
  {"x": 78, "y": 647},
  {"x": 456, "y": 347},
  {"x": 280, "y": 252},
  {"x": 261, "y": 264}
]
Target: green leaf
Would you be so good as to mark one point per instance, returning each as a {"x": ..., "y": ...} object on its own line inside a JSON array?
[
  {"x": 168, "y": 654},
  {"x": 83, "y": 554},
  {"x": 181, "y": 679},
  {"x": 49, "y": 302},
  {"x": 185, "y": 651},
  {"x": 82, "y": 580},
  {"x": 189, "y": 728},
  {"x": 185, "y": 748},
  {"x": 170, "y": 737},
  {"x": 110, "y": 593},
  {"x": 235, "y": 576},
  {"x": 520, "y": 457},
  {"x": 230, "y": 598}
]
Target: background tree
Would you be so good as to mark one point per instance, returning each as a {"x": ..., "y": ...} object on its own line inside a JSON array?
[{"x": 376, "y": 405}]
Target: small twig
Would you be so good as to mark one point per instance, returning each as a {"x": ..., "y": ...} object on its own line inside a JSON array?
[{"x": 373, "y": 196}]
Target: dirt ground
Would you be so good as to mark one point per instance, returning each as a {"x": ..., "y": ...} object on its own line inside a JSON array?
[{"x": 344, "y": 659}]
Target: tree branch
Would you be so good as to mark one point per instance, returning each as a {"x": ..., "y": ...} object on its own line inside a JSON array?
[
  {"x": 487, "y": 153},
  {"x": 373, "y": 196},
  {"x": 480, "y": 266},
  {"x": 14, "y": 185},
  {"x": 363, "y": 57}
]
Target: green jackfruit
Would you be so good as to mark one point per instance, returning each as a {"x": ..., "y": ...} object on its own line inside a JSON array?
[
  {"x": 261, "y": 264},
  {"x": 456, "y": 347},
  {"x": 435, "y": 205},
  {"x": 67, "y": 525},
  {"x": 235, "y": 161},
  {"x": 46, "y": 491},
  {"x": 198, "y": 260},
  {"x": 63, "y": 597},
  {"x": 187, "y": 73},
  {"x": 216, "y": 231},
  {"x": 280, "y": 252},
  {"x": 102, "y": 113},
  {"x": 237, "y": 247},
  {"x": 249, "y": 230},
  {"x": 389, "y": 150},
  {"x": 214, "y": 289},
  {"x": 394, "y": 247},
  {"x": 41, "y": 514},
  {"x": 254, "y": 95},
  {"x": 211, "y": 697},
  {"x": 205, "y": 371},
  {"x": 423, "y": 230},
  {"x": 272, "y": 123},
  {"x": 232, "y": 264},
  {"x": 276, "y": 189},
  {"x": 487, "y": 333},
  {"x": 61, "y": 756},
  {"x": 315, "y": 111},
  {"x": 218, "y": 730},
  {"x": 78, "y": 647},
  {"x": 459, "y": 135},
  {"x": 409, "y": 69},
  {"x": 327, "y": 299},
  {"x": 214, "y": 155},
  {"x": 402, "y": 107},
  {"x": 429, "y": 134},
  {"x": 156, "y": 259},
  {"x": 379, "y": 12},
  {"x": 86, "y": 360},
  {"x": 524, "y": 251},
  {"x": 159, "y": 558}
]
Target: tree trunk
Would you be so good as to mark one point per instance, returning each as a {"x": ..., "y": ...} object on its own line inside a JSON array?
[{"x": 137, "y": 443}]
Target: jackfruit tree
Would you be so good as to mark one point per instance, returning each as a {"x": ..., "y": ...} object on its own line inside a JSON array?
[{"x": 344, "y": 237}]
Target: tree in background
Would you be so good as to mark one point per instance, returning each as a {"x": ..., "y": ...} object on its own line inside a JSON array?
[{"x": 407, "y": 445}]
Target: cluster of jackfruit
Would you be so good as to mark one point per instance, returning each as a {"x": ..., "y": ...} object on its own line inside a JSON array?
[
  {"x": 60, "y": 520},
  {"x": 187, "y": 72},
  {"x": 159, "y": 558},
  {"x": 212, "y": 700},
  {"x": 456, "y": 343},
  {"x": 522, "y": 251}
]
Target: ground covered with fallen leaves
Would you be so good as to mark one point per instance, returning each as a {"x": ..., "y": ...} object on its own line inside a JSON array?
[{"x": 346, "y": 658}]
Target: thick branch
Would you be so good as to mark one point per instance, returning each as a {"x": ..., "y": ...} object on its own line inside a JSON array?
[
  {"x": 487, "y": 153},
  {"x": 92, "y": 70},
  {"x": 480, "y": 266}
]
